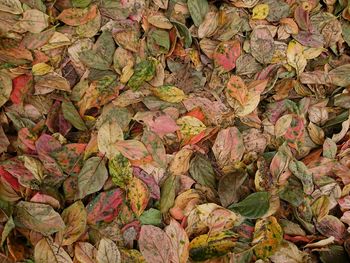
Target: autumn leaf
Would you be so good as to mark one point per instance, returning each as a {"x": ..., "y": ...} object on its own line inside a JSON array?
[
  {"x": 155, "y": 245},
  {"x": 38, "y": 217},
  {"x": 107, "y": 252},
  {"x": 75, "y": 218},
  {"x": 46, "y": 251},
  {"x": 138, "y": 195}
]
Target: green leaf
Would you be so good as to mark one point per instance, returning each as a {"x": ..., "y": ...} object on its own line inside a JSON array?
[
  {"x": 120, "y": 170},
  {"x": 151, "y": 217},
  {"x": 300, "y": 170},
  {"x": 71, "y": 114},
  {"x": 167, "y": 193},
  {"x": 249, "y": 208},
  {"x": 81, "y": 3},
  {"x": 158, "y": 42},
  {"x": 101, "y": 57},
  {"x": 334, "y": 253},
  {"x": 292, "y": 192},
  {"x": 198, "y": 9},
  {"x": 144, "y": 71},
  {"x": 202, "y": 171},
  {"x": 184, "y": 32},
  {"x": 92, "y": 177}
]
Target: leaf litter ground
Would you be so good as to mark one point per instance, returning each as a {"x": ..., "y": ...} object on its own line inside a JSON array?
[{"x": 174, "y": 131}]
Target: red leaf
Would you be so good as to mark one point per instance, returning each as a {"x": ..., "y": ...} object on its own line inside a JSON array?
[
  {"x": 197, "y": 113},
  {"x": 20, "y": 87},
  {"x": 26, "y": 140},
  {"x": 44, "y": 146},
  {"x": 69, "y": 157},
  {"x": 104, "y": 207},
  {"x": 226, "y": 54},
  {"x": 10, "y": 179}
]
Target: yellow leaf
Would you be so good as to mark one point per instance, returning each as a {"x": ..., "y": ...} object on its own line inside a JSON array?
[
  {"x": 209, "y": 246},
  {"x": 190, "y": 126},
  {"x": 268, "y": 236},
  {"x": 260, "y": 11},
  {"x": 312, "y": 52},
  {"x": 138, "y": 195},
  {"x": 127, "y": 72},
  {"x": 295, "y": 56},
  {"x": 41, "y": 69},
  {"x": 169, "y": 93}
]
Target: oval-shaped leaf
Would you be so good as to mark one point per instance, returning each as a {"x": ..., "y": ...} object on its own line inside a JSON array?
[{"x": 249, "y": 208}]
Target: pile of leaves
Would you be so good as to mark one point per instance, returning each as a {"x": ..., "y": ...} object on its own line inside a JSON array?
[{"x": 174, "y": 131}]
